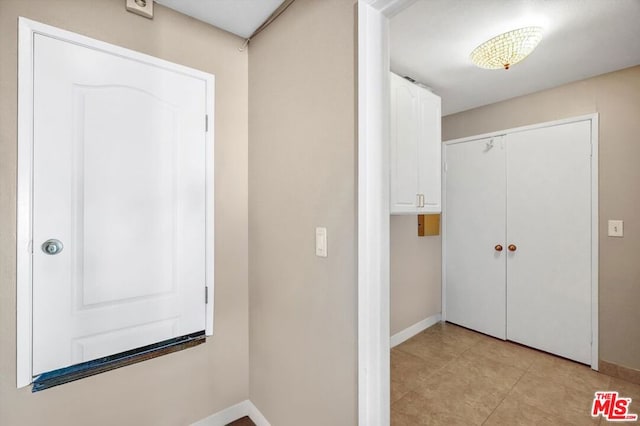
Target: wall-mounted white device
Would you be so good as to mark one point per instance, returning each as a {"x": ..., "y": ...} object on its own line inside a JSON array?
[{"x": 141, "y": 7}]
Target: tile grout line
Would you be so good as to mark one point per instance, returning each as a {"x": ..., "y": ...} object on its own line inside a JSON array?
[
  {"x": 423, "y": 359},
  {"x": 459, "y": 346},
  {"x": 412, "y": 389},
  {"x": 509, "y": 391},
  {"x": 458, "y": 356}
]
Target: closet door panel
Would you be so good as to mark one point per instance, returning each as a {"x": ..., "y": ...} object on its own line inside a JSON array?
[
  {"x": 475, "y": 220},
  {"x": 549, "y": 223}
]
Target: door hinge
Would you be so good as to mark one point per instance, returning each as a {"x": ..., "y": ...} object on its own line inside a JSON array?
[
  {"x": 206, "y": 122},
  {"x": 206, "y": 295}
]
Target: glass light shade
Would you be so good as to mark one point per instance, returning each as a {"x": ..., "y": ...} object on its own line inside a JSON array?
[{"x": 507, "y": 49}]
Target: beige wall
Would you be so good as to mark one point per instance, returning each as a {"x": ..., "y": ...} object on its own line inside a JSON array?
[
  {"x": 302, "y": 174},
  {"x": 188, "y": 385},
  {"x": 415, "y": 284},
  {"x": 616, "y": 97}
]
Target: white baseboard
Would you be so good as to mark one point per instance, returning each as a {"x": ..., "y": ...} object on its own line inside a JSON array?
[
  {"x": 416, "y": 328},
  {"x": 226, "y": 416},
  {"x": 246, "y": 407},
  {"x": 257, "y": 416},
  {"x": 235, "y": 412}
]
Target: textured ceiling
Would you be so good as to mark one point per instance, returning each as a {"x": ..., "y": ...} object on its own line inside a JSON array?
[
  {"x": 432, "y": 39},
  {"x": 240, "y": 17}
]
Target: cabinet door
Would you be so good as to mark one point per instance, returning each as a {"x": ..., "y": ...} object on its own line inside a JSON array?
[
  {"x": 474, "y": 225},
  {"x": 429, "y": 152},
  {"x": 404, "y": 145},
  {"x": 549, "y": 222}
]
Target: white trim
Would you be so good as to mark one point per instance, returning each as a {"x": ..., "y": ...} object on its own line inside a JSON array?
[
  {"x": 26, "y": 30},
  {"x": 593, "y": 118},
  {"x": 24, "y": 203},
  {"x": 233, "y": 413},
  {"x": 209, "y": 209},
  {"x": 256, "y": 416},
  {"x": 595, "y": 241},
  {"x": 373, "y": 217},
  {"x": 226, "y": 416},
  {"x": 391, "y": 8},
  {"x": 585, "y": 117},
  {"x": 373, "y": 209},
  {"x": 416, "y": 328},
  {"x": 443, "y": 240}
]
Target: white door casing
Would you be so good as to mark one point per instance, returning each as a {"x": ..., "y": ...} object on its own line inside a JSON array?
[
  {"x": 475, "y": 214},
  {"x": 118, "y": 167},
  {"x": 373, "y": 208},
  {"x": 373, "y": 216},
  {"x": 549, "y": 223}
]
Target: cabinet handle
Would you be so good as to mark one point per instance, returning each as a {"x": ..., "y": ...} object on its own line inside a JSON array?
[
  {"x": 512, "y": 247},
  {"x": 498, "y": 247}
]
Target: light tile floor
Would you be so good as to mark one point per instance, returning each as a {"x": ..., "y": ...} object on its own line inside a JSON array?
[{"x": 449, "y": 375}]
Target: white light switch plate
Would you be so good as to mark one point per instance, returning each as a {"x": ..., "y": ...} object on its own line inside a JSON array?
[
  {"x": 616, "y": 228},
  {"x": 321, "y": 242}
]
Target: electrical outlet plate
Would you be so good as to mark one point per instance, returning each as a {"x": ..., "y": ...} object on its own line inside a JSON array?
[{"x": 141, "y": 7}]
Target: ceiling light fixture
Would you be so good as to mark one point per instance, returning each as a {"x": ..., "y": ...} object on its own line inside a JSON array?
[{"x": 507, "y": 49}]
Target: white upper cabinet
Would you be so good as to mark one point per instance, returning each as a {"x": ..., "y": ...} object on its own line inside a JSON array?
[{"x": 415, "y": 148}]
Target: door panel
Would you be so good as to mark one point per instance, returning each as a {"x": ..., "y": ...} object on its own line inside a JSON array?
[
  {"x": 405, "y": 137},
  {"x": 430, "y": 149},
  {"x": 549, "y": 221},
  {"x": 138, "y": 196},
  {"x": 119, "y": 178},
  {"x": 475, "y": 218}
]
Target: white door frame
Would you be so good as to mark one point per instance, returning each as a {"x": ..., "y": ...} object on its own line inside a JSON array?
[
  {"x": 593, "y": 118},
  {"x": 373, "y": 209},
  {"x": 24, "y": 246}
]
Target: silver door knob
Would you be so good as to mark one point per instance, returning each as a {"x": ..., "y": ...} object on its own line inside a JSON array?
[{"x": 52, "y": 247}]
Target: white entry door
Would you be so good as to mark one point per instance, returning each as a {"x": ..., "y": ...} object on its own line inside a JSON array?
[
  {"x": 475, "y": 235},
  {"x": 549, "y": 225},
  {"x": 119, "y": 182}
]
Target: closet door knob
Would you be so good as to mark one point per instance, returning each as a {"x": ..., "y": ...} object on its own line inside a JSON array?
[
  {"x": 498, "y": 247},
  {"x": 512, "y": 247}
]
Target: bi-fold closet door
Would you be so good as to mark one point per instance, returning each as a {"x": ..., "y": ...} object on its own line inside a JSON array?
[
  {"x": 518, "y": 237},
  {"x": 475, "y": 226}
]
